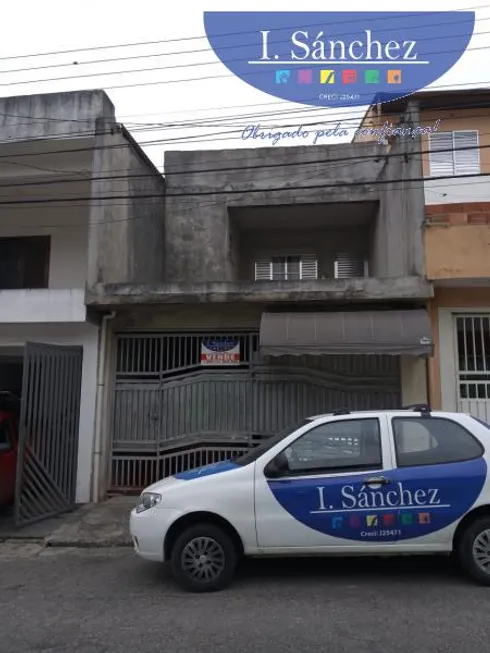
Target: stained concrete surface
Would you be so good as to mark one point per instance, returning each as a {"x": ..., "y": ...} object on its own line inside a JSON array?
[
  {"x": 105, "y": 524},
  {"x": 36, "y": 531},
  {"x": 108, "y": 601}
]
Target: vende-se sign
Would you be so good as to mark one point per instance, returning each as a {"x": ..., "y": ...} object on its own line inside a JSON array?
[{"x": 339, "y": 59}]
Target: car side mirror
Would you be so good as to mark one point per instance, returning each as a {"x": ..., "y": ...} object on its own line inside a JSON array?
[{"x": 278, "y": 466}]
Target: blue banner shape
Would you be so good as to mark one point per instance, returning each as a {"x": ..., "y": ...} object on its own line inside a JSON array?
[
  {"x": 339, "y": 59},
  {"x": 418, "y": 501}
]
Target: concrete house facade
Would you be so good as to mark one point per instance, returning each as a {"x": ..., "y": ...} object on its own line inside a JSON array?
[
  {"x": 456, "y": 169},
  {"x": 57, "y": 152},
  {"x": 279, "y": 283}
]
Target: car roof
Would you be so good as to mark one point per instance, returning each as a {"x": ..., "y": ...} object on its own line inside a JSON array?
[{"x": 419, "y": 410}]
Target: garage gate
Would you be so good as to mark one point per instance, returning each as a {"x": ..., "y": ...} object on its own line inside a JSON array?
[
  {"x": 171, "y": 412},
  {"x": 39, "y": 408}
]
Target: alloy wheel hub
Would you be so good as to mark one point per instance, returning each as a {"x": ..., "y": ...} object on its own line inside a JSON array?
[
  {"x": 481, "y": 551},
  {"x": 203, "y": 559}
]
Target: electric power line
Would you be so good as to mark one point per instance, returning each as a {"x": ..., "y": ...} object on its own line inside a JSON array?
[
  {"x": 193, "y": 38},
  {"x": 159, "y": 141},
  {"x": 213, "y": 63},
  {"x": 351, "y": 160}
]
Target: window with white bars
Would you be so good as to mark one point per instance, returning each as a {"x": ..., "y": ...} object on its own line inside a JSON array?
[
  {"x": 473, "y": 343},
  {"x": 349, "y": 266},
  {"x": 286, "y": 268},
  {"x": 454, "y": 153}
]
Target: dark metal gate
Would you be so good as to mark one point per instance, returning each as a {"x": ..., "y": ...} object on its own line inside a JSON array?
[
  {"x": 48, "y": 438},
  {"x": 171, "y": 412}
]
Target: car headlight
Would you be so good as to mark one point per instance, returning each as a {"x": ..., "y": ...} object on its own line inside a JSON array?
[{"x": 148, "y": 500}]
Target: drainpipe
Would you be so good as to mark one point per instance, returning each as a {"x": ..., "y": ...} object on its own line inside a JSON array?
[{"x": 99, "y": 405}]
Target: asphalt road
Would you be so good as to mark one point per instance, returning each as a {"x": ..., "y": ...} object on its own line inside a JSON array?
[{"x": 107, "y": 601}]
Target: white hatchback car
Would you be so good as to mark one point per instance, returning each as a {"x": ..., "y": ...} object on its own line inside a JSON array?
[{"x": 362, "y": 483}]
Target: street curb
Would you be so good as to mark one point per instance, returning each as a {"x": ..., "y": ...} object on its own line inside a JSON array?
[{"x": 69, "y": 544}]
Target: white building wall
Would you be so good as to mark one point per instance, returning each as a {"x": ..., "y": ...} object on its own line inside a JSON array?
[
  {"x": 68, "y": 228},
  {"x": 454, "y": 190},
  {"x": 85, "y": 335},
  {"x": 42, "y": 305}
]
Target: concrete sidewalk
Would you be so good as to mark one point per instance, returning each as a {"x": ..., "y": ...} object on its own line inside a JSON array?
[{"x": 104, "y": 524}]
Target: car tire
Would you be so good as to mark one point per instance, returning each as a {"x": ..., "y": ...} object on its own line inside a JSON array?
[
  {"x": 204, "y": 559},
  {"x": 474, "y": 541}
]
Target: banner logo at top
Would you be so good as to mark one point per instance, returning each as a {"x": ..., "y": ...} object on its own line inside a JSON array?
[{"x": 339, "y": 59}]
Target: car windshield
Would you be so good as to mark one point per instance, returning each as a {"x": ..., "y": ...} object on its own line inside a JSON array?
[{"x": 255, "y": 453}]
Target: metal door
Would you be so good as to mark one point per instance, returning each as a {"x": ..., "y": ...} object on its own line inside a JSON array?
[{"x": 48, "y": 437}]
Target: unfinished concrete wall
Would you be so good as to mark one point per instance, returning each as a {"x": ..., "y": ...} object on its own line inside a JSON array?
[
  {"x": 201, "y": 186},
  {"x": 28, "y": 117},
  {"x": 126, "y": 231},
  {"x": 398, "y": 249}
]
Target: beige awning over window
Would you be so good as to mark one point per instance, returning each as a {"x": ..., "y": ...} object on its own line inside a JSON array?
[{"x": 365, "y": 332}]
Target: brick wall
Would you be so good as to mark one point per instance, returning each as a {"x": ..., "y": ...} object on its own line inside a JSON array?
[{"x": 472, "y": 213}]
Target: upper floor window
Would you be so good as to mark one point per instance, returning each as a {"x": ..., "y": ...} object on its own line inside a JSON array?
[
  {"x": 24, "y": 262},
  {"x": 349, "y": 266},
  {"x": 286, "y": 268},
  {"x": 454, "y": 153}
]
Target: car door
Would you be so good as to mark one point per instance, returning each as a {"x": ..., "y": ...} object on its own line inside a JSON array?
[
  {"x": 439, "y": 476},
  {"x": 332, "y": 490}
]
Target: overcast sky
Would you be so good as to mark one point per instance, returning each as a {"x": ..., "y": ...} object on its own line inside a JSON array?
[{"x": 30, "y": 28}]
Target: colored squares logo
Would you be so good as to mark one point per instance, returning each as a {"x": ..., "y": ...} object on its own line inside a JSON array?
[
  {"x": 372, "y": 77},
  {"x": 327, "y": 76},
  {"x": 337, "y": 522},
  {"x": 355, "y": 521},
  {"x": 389, "y": 520},
  {"x": 372, "y": 520},
  {"x": 394, "y": 77},
  {"x": 305, "y": 76},
  {"x": 424, "y": 518},
  {"x": 349, "y": 76},
  {"x": 283, "y": 76},
  {"x": 407, "y": 519}
]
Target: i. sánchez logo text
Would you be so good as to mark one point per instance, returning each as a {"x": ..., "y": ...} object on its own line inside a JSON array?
[
  {"x": 316, "y": 47},
  {"x": 398, "y": 497}
]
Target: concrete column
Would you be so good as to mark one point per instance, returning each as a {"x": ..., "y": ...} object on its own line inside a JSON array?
[
  {"x": 197, "y": 243},
  {"x": 414, "y": 380}
]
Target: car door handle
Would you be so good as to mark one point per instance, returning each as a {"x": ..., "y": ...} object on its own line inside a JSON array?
[{"x": 376, "y": 480}]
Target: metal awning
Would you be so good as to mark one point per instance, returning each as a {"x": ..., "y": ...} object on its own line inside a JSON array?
[{"x": 358, "y": 332}]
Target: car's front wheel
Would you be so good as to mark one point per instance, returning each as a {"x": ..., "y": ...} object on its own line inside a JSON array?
[
  {"x": 474, "y": 550},
  {"x": 204, "y": 558}
]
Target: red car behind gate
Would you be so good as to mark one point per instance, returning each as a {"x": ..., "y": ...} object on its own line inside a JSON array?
[{"x": 9, "y": 431}]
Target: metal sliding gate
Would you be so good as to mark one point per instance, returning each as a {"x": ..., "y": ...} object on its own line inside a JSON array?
[
  {"x": 171, "y": 413},
  {"x": 48, "y": 438},
  {"x": 473, "y": 365}
]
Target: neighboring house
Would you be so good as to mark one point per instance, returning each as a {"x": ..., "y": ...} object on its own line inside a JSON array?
[
  {"x": 293, "y": 283},
  {"x": 457, "y": 240},
  {"x": 62, "y": 158}
]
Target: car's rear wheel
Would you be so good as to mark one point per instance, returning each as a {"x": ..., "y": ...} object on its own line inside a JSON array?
[
  {"x": 474, "y": 550},
  {"x": 204, "y": 558}
]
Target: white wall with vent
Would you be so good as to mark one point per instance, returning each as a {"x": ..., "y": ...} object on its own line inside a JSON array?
[{"x": 455, "y": 155}]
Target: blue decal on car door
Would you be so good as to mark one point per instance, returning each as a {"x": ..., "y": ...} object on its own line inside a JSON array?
[{"x": 406, "y": 503}]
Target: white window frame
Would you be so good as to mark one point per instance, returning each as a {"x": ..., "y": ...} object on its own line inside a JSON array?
[
  {"x": 448, "y": 352},
  {"x": 453, "y": 168},
  {"x": 303, "y": 259},
  {"x": 336, "y": 270}
]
